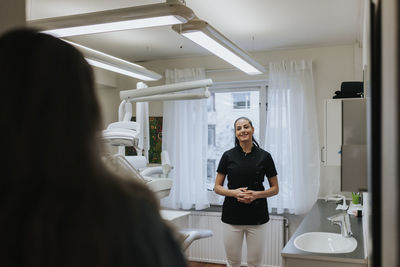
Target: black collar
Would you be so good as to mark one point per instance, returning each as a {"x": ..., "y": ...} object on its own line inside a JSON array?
[{"x": 240, "y": 149}]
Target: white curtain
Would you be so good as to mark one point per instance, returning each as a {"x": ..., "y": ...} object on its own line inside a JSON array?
[
  {"x": 185, "y": 139},
  {"x": 292, "y": 136},
  {"x": 142, "y": 117}
]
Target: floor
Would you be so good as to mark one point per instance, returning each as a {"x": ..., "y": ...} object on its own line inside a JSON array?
[{"x": 204, "y": 264}]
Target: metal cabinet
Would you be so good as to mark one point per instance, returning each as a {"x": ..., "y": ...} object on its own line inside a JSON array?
[
  {"x": 345, "y": 145},
  {"x": 354, "y": 145}
]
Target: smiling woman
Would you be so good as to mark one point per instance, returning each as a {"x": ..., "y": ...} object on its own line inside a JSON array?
[
  {"x": 244, "y": 132},
  {"x": 245, "y": 209}
]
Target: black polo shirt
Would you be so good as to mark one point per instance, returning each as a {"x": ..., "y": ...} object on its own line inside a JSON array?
[{"x": 246, "y": 170}]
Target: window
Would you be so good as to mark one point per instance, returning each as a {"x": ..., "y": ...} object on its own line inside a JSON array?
[
  {"x": 221, "y": 133},
  {"x": 241, "y": 100},
  {"x": 211, "y": 102},
  {"x": 210, "y": 173},
  {"x": 211, "y": 134}
]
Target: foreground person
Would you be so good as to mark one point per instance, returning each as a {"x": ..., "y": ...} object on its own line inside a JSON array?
[{"x": 59, "y": 205}]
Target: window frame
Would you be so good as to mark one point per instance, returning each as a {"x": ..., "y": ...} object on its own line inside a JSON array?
[
  {"x": 255, "y": 85},
  {"x": 237, "y": 86}
]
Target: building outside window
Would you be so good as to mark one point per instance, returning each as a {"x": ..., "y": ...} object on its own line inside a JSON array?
[
  {"x": 211, "y": 103},
  {"x": 211, "y": 173},
  {"x": 241, "y": 100},
  {"x": 211, "y": 134}
]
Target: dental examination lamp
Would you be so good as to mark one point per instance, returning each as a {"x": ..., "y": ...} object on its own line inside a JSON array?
[
  {"x": 163, "y": 92},
  {"x": 124, "y": 132}
]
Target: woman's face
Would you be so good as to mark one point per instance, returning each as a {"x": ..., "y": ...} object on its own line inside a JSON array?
[{"x": 244, "y": 131}]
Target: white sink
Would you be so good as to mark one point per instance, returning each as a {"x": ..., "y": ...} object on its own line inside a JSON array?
[{"x": 322, "y": 242}]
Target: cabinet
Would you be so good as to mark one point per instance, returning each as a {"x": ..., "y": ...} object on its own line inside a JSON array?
[
  {"x": 319, "y": 263},
  {"x": 354, "y": 145},
  {"x": 345, "y": 145},
  {"x": 331, "y": 151}
]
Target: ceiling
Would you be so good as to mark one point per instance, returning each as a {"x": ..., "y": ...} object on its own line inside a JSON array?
[{"x": 254, "y": 25}]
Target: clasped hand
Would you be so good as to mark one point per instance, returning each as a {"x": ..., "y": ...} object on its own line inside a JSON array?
[{"x": 245, "y": 196}]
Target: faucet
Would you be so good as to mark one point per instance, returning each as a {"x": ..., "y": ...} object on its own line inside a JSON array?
[{"x": 343, "y": 220}]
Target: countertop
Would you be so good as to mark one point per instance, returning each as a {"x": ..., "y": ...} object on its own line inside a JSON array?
[
  {"x": 316, "y": 221},
  {"x": 170, "y": 215}
]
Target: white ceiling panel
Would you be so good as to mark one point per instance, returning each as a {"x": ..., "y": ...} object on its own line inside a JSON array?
[{"x": 254, "y": 25}]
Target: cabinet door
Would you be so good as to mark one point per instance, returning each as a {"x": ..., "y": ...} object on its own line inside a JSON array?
[
  {"x": 354, "y": 147},
  {"x": 333, "y": 132}
]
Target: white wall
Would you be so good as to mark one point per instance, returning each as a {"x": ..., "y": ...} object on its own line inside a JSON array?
[
  {"x": 12, "y": 14},
  {"x": 106, "y": 83},
  {"x": 332, "y": 65}
]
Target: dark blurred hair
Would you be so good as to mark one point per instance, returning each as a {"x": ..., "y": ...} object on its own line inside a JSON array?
[
  {"x": 60, "y": 206},
  {"x": 237, "y": 143},
  {"x": 48, "y": 106}
]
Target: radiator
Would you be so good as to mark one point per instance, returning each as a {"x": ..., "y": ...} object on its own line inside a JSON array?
[{"x": 212, "y": 249}]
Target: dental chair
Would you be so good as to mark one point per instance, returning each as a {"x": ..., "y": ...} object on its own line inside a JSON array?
[
  {"x": 126, "y": 133},
  {"x": 189, "y": 235},
  {"x": 156, "y": 177}
]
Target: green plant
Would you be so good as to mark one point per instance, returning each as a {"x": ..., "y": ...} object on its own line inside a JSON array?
[{"x": 356, "y": 198}]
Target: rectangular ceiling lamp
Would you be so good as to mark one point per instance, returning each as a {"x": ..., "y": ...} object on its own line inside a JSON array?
[
  {"x": 206, "y": 36},
  {"x": 144, "y": 16},
  {"x": 114, "y": 64}
]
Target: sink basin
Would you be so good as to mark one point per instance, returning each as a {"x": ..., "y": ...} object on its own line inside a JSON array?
[{"x": 322, "y": 242}]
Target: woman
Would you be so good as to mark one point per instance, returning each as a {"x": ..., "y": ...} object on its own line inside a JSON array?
[
  {"x": 59, "y": 205},
  {"x": 245, "y": 210}
]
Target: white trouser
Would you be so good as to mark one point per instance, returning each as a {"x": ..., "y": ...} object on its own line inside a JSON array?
[{"x": 255, "y": 240}]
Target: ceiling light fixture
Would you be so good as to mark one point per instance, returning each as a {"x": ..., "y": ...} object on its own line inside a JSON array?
[
  {"x": 105, "y": 61},
  {"x": 161, "y": 14},
  {"x": 206, "y": 36}
]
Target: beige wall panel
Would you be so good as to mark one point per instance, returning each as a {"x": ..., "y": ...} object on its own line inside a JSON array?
[{"x": 12, "y": 14}]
